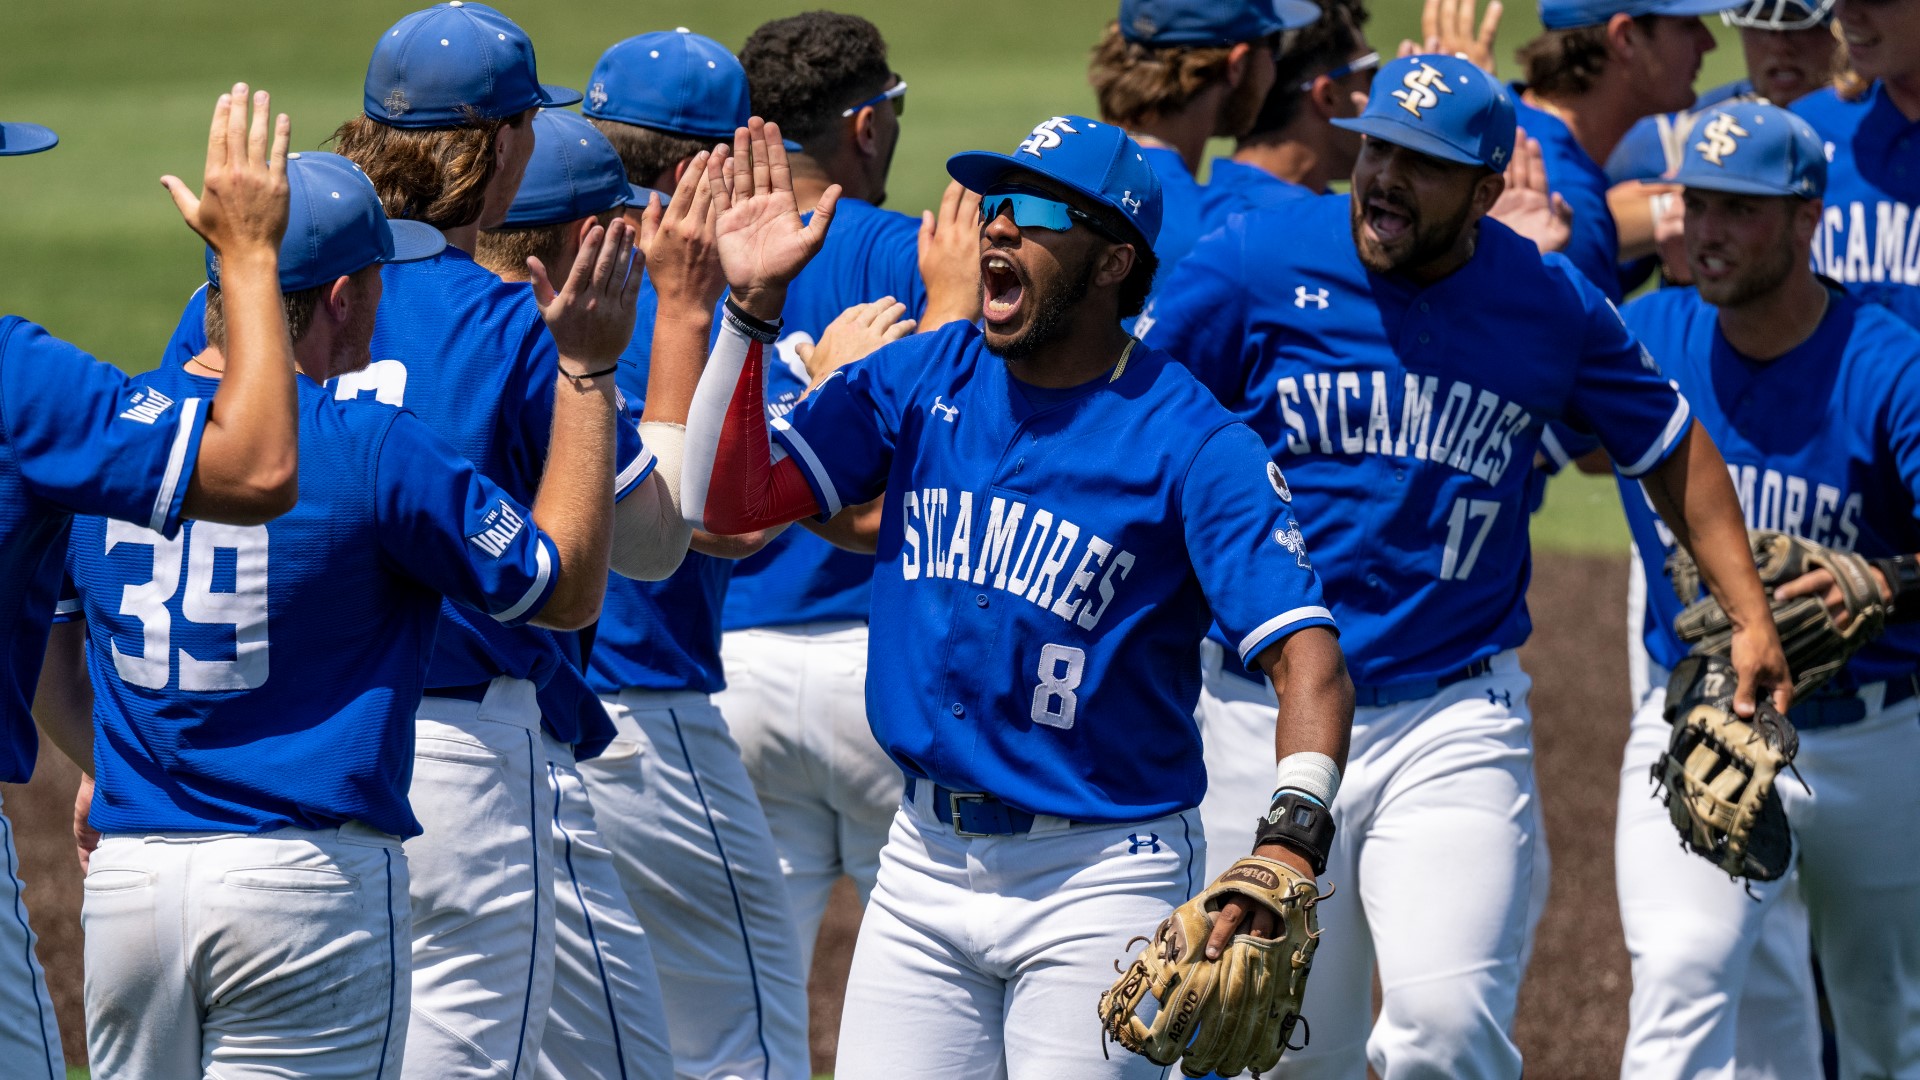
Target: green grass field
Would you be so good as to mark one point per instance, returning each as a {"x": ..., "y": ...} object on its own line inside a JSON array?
[{"x": 96, "y": 252}]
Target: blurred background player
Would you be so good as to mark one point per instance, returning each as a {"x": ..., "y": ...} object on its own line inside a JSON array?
[
  {"x": 1870, "y": 123},
  {"x": 1354, "y": 332},
  {"x": 1175, "y": 73},
  {"x": 606, "y": 1019},
  {"x": 247, "y": 906},
  {"x": 77, "y": 437},
  {"x": 796, "y": 614},
  {"x": 1035, "y": 614},
  {"x": 1720, "y": 981}
]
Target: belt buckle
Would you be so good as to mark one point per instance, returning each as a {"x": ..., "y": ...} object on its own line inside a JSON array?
[{"x": 954, "y": 800}]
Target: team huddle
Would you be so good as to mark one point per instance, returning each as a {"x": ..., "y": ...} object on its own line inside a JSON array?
[{"x": 457, "y": 698}]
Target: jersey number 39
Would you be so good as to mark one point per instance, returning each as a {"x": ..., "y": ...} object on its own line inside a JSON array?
[{"x": 196, "y": 550}]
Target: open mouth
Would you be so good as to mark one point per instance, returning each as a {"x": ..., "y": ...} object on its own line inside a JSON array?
[
  {"x": 1004, "y": 287},
  {"x": 1786, "y": 78},
  {"x": 1713, "y": 267},
  {"x": 1859, "y": 38},
  {"x": 1387, "y": 222}
]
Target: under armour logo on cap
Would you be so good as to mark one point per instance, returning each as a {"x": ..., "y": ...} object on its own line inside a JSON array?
[
  {"x": 1424, "y": 85},
  {"x": 1719, "y": 139},
  {"x": 1047, "y": 136}
]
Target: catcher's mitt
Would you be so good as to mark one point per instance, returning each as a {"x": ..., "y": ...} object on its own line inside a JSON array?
[
  {"x": 1719, "y": 771},
  {"x": 1816, "y": 648},
  {"x": 1221, "y": 1016}
]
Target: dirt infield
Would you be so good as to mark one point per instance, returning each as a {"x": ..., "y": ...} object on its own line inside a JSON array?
[{"x": 1572, "y": 1008}]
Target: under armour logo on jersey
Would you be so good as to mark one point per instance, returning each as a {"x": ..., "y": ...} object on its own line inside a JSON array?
[
  {"x": 1301, "y": 297},
  {"x": 1047, "y": 136},
  {"x": 1295, "y": 544},
  {"x": 1151, "y": 842},
  {"x": 944, "y": 411},
  {"x": 598, "y": 95},
  {"x": 1500, "y": 697},
  {"x": 1424, "y": 85},
  {"x": 1718, "y": 138},
  {"x": 498, "y": 527},
  {"x": 145, "y": 405}
]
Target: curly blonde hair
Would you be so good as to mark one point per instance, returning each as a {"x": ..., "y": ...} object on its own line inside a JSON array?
[
  {"x": 435, "y": 175},
  {"x": 1134, "y": 81}
]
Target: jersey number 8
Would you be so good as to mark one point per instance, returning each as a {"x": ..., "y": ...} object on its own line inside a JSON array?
[
  {"x": 244, "y": 608},
  {"x": 1054, "y": 701}
]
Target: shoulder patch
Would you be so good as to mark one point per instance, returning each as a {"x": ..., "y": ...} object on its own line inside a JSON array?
[
  {"x": 498, "y": 526},
  {"x": 1279, "y": 481},
  {"x": 146, "y": 405}
]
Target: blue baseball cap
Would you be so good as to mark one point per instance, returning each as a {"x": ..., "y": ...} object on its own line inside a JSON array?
[
  {"x": 1570, "y": 14},
  {"x": 1441, "y": 106},
  {"x": 1211, "y": 22},
  {"x": 1754, "y": 148},
  {"x": 443, "y": 66},
  {"x": 336, "y": 225},
  {"x": 675, "y": 81},
  {"x": 17, "y": 138},
  {"x": 574, "y": 173},
  {"x": 1095, "y": 159}
]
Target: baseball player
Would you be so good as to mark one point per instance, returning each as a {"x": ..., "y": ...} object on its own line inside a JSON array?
[
  {"x": 254, "y": 685},
  {"x": 76, "y": 437},
  {"x": 445, "y": 137},
  {"x": 1176, "y": 73},
  {"x": 1063, "y": 506},
  {"x": 1400, "y": 354},
  {"x": 796, "y": 615},
  {"x": 1758, "y": 338},
  {"x": 606, "y": 1019},
  {"x": 1868, "y": 122}
]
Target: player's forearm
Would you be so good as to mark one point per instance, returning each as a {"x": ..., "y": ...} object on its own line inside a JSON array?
[
  {"x": 733, "y": 547},
  {"x": 1693, "y": 495},
  {"x": 63, "y": 702},
  {"x": 248, "y": 469},
  {"x": 731, "y": 485},
  {"x": 855, "y": 529},
  {"x": 1309, "y": 675},
  {"x": 680, "y": 339},
  {"x": 574, "y": 506}
]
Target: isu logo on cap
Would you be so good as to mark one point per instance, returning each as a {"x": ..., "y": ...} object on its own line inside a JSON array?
[
  {"x": 1424, "y": 85},
  {"x": 1047, "y": 136},
  {"x": 1718, "y": 138}
]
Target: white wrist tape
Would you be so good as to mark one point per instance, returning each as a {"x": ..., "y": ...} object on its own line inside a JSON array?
[{"x": 1309, "y": 774}]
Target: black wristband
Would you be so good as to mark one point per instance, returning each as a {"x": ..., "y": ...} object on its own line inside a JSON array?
[
  {"x": 608, "y": 370},
  {"x": 1299, "y": 823},
  {"x": 766, "y": 332},
  {"x": 1903, "y": 578}
]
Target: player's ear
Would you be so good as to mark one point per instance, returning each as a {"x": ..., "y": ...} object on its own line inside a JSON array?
[
  {"x": 339, "y": 300},
  {"x": 1624, "y": 40},
  {"x": 1806, "y": 221},
  {"x": 1116, "y": 262},
  {"x": 1239, "y": 59},
  {"x": 866, "y": 132},
  {"x": 1487, "y": 191}
]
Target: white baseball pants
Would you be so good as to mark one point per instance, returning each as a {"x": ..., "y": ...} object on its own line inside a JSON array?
[
  {"x": 607, "y": 1021},
  {"x": 235, "y": 955},
  {"x": 982, "y": 958},
  {"x": 796, "y": 701},
  {"x": 1439, "y": 874},
  {"x": 482, "y": 890},
  {"x": 1721, "y": 986},
  {"x": 29, "y": 1033},
  {"x": 696, "y": 859}
]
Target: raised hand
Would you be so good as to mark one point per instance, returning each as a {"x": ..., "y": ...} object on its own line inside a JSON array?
[
  {"x": 1527, "y": 206},
  {"x": 683, "y": 259},
  {"x": 763, "y": 244},
  {"x": 243, "y": 208},
  {"x": 1446, "y": 27},
  {"x": 950, "y": 257},
  {"x": 853, "y": 334},
  {"x": 591, "y": 317}
]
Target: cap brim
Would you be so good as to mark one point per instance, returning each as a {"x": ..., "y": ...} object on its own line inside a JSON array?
[
  {"x": 979, "y": 170},
  {"x": 637, "y": 196},
  {"x": 1294, "y": 14},
  {"x": 1407, "y": 135},
  {"x": 414, "y": 240},
  {"x": 18, "y": 138},
  {"x": 1695, "y": 7},
  {"x": 556, "y": 96}
]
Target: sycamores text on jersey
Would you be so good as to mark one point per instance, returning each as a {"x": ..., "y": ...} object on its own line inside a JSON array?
[
  {"x": 1355, "y": 412},
  {"x": 1019, "y": 549}
]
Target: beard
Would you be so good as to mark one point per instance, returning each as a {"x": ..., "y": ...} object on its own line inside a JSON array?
[
  {"x": 1049, "y": 321},
  {"x": 1426, "y": 241},
  {"x": 1759, "y": 279}
]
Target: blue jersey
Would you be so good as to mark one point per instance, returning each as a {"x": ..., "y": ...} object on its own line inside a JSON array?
[
  {"x": 1654, "y": 146},
  {"x": 1594, "y": 246},
  {"x": 800, "y": 578},
  {"x": 658, "y": 635},
  {"x": 470, "y": 355},
  {"x": 1408, "y": 417},
  {"x": 1847, "y": 477},
  {"x": 75, "y": 437},
  {"x": 1047, "y": 560},
  {"x": 1183, "y": 205},
  {"x": 1870, "y": 234},
  {"x": 1234, "y": 187},
  {"x": 249, "y": 678}
]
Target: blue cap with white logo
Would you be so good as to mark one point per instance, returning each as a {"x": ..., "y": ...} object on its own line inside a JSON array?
[
  {"x": 1095, "y": 159},
  {"x": 1211, "y": 22},
  {"x": 1571, "y": 14},
  {"x": 1441, "y": 106},
  {"x": 675, "y": 81},
  {"x": 574, "y": 173},
  {"x": 1754, "y": 148},
  {"x": 452, "y": 62},
  {"x": 18, "y": 138},
  {"x": 336, "y": 226}
]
